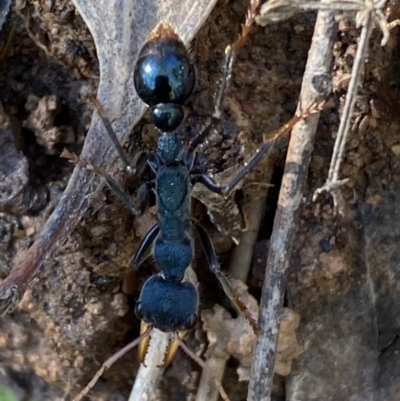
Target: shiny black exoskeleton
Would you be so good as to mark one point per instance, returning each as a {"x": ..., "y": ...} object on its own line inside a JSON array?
[
  {"x": 166, "y": 302},
  {"x": 164, "y": 79}
]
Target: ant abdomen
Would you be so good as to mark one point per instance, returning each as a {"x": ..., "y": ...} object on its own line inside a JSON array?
[{"x": 164, "y": 77}]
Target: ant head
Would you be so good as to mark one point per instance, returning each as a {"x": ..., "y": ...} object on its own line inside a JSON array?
[{"x": 167, "y": 305}]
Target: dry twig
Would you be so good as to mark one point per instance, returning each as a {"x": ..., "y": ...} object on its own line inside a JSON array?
[
  {"x": 149, "y": 373},
  {"x": 370, "y": 13},
  {"x": 299, "y": 154},
  {"x": 239, "y": 268}
]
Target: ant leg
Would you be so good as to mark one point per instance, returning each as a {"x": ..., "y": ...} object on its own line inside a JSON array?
[
  {"x": 143, "y": 190},
  {"x": 144, "y": 246},
  {"x": 231, "y": 52},
  {"x": 113, "y": 137},
  {"x": 215, "y": 267},
  {"x": 110, "y": 361},
  {"x": 199, "y": 139},
  {"x": 114, "y": 186},
  {"x": 142, "y": 196},
  {"x": 230, "y": 55},
  {"x": 210, "y": 183}
]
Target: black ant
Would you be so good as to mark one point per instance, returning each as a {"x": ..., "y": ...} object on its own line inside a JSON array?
[{"x": 164, "y": 79}]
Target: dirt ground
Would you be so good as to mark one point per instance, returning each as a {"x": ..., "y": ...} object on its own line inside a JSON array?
[{"x": 342, "y": 280}]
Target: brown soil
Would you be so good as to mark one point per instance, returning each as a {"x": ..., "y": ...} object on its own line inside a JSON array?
[{"x": 79, "y": 309}]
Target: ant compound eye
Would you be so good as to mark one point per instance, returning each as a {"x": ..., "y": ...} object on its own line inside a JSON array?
[
  {"x": 138, "y": 311},
  {"x": 191, "y": 322}
]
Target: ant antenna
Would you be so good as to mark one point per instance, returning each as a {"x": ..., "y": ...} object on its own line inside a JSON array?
[
  {"x": 110, "y": 361},
  {"x": 203, "y": 365}
]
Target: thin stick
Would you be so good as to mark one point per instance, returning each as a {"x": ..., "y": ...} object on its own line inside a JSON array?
[
  {"x": 239, "y": 268},
  {"x": 279, "y": 10},
  {"x": 291, "y": 194},
  {"x": 150, "y": 372},
  {"x": 207, "y": 389},
  {"x": 333, "y": 183},
  {"x": 285, "y": 129},
  {"x": 203, "y": 365},
  {"x": 110, "y": 361}
]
